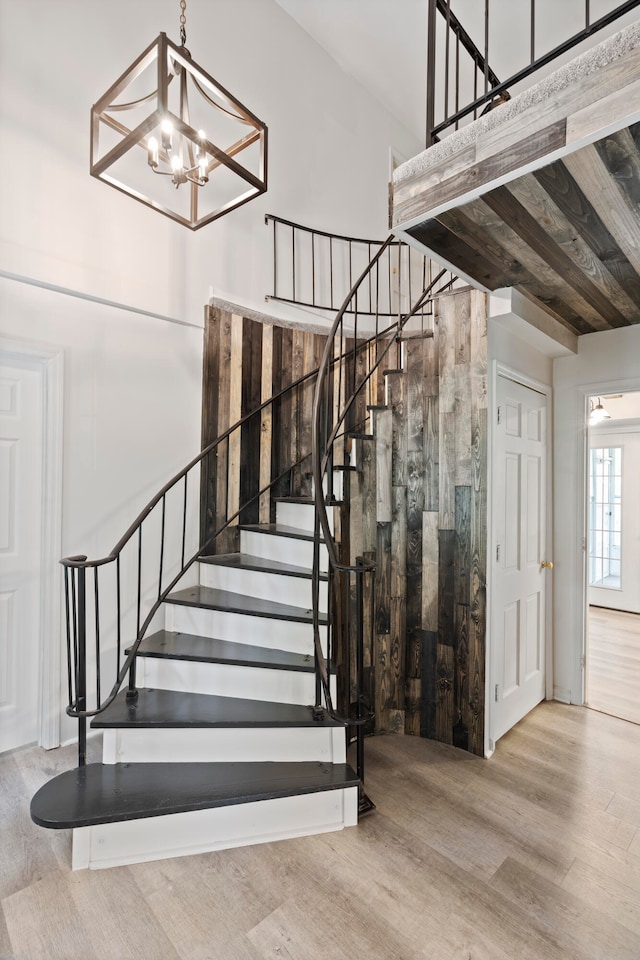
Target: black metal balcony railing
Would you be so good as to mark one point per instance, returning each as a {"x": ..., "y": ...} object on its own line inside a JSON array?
[
  {"x": 316, "y": 269},
  {"x": 461, "y": 84}
]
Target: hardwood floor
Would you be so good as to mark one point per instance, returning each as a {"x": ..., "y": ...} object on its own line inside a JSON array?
[
  {"x": 534, "y": 855},
  {"x": 614, "y": 663}
]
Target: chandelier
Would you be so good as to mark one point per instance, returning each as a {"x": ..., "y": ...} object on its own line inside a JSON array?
[{"x": 188, "y": 148}]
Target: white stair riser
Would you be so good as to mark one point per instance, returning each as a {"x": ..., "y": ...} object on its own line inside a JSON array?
[
  {"x": 224, "y": 745},
  {"x": 267, "y": 586},
  {"x": 180, "y": 834},
  {"x": 242, "y": 628},
  {"x": 285, "y": 549},
  {"x": 338, "y": 484},
  {"x": 299, "y": 515},
  {"x": 227, "y": 680}
]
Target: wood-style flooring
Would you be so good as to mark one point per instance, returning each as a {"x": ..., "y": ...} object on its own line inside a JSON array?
[
  {"x": 532, "y": 855},
  {"x": 613, "y": 678}
]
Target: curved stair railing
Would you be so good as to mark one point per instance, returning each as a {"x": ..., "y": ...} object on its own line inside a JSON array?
[
  {"x": 113, "y": 600},
  {"x": 339, "y": 387}
]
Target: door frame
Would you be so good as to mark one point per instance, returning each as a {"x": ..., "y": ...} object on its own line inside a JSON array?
[
  {"x": 499, "y": 369},
  {"x": 582, "y": 393},
  {"x": 48, "y": 361}
]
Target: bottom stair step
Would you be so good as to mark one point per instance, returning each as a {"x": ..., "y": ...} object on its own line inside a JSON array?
[
  {"x": 133, "y": 813},
  {"x": 107, "y": 793}
]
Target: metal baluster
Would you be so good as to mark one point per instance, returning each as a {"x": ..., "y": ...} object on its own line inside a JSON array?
[
  {"x": 486, "y": 46},
  {"x": 68, "y": 629},
  {"x": 359, "y": 666},
  {"x": 446, "y": 61},
  {"x": 118, "y": 615},
  {"x": 81, "y": 677},
  {"x": 313, "y": 268},
  {"x": 331, "y": 269},
  {"x": 431, "y": 73},
  {"x": 275, "y": 261},
  {"x": 74, "y": 611},
  {"x": 475, "y": 88},
  {"x": 457, "y": 77},
  {"x": 139, "y": 599},
  {"x": 533, "y": 31},
  {"x": 293, "y": 259},
  {"x": 587, "y": 15},
  {"x": 369, "y": 277},
  {"x": 162, "y": 525},
  {"x": 96, "y": 600},
  {"x": 184, "y": 518}
]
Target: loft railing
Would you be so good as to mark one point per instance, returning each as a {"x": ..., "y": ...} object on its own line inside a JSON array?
[
  {"x": 110, "y": 603},
  {"x": 340, "y": 392},
  {"x": 460, "y": 82},
  {"x": 316, "y": 269}
]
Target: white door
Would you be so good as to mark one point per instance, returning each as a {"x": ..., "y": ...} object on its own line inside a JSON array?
[
  {"x": 518, "y": 575},
  {"x": 21, "y": 426},
  {"x": 614, "y": 519}
]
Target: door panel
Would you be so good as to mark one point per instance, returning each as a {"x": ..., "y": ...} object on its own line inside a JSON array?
[
  {"x": 21, "y": 404},
  {"x": 519, "y": 580}
]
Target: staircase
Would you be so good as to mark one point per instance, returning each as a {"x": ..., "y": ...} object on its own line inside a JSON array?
[
  {"x": 219, "y": 726},
  {"x": 221, "y": 747}
]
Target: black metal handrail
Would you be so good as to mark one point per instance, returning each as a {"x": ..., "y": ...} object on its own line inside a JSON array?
[
  {"x": 336, "y": 392},
  {"x": 316, "y": 269},
  {"x": 468, "y": 101}
]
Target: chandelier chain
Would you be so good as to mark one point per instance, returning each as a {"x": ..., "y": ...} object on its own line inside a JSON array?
[{"x": 183, "y": 22}]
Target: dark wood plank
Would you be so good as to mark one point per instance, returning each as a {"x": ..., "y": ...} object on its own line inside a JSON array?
[
  {"x": 505, "y": 269},
  {"x": 462, "y": 255},
  {"x": 572, "y": 201},
  {"x": 428, "y": 684},
  {"x": 545, "y": 286},
  {"x": 514, "y": 214},
  {"x": 396, "y": 387},
  {"x": 398, "y": 569},
  {"x": 250, "y": 435},
  {"x": 561, "y": 232}
]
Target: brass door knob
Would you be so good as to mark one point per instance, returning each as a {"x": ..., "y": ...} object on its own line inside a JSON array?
[{"x": 548, "y": 564}]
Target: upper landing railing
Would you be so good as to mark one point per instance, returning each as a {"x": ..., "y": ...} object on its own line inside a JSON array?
[
  {"x": 460, "y": 83},
  {"x": 316, "y": 269}
]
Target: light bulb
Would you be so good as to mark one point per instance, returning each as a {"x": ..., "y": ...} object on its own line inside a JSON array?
[
  {"x": 176, "y": 163},
  {"x": 166, "y": 129},
  {"x": 152, "y": 148}
]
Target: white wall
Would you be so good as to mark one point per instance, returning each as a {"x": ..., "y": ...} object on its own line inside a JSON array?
[
  {"x": 607, "y": 362},
  {"x": 133, "y": 379}
]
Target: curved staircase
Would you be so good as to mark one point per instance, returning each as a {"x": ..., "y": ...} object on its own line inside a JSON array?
[{"x": 221, "y": 747}]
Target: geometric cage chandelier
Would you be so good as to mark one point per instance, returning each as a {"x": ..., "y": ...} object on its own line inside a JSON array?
[{"x": 167, "y": 134}]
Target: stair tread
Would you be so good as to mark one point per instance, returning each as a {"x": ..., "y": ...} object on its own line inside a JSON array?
[
  {"x": 174, "y": 645},
  {"x": 174, "y": 709},
  {"x": 211, "y": 598},
  {"x": 243, "y": 561},
  {"x": 109, "y": 793},
  {"x": 279, "y": 530}
]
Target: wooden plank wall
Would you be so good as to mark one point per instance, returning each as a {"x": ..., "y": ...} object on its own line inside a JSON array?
[
  {"x": 418, "y": 500},
  {"x": 428, "y": 532},
  {"x": 245, "y": 362}
]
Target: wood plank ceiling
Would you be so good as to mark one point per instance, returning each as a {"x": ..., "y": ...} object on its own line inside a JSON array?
[
  {"x": 566, "y": 235},
  {"x": 545, "y": 197}
]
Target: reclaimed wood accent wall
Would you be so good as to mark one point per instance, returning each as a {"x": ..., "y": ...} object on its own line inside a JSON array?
[
  {"x": 418, "y": 499},
  {"x": 422, "y": 484},
  {"x": 246, "y": 362}
]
